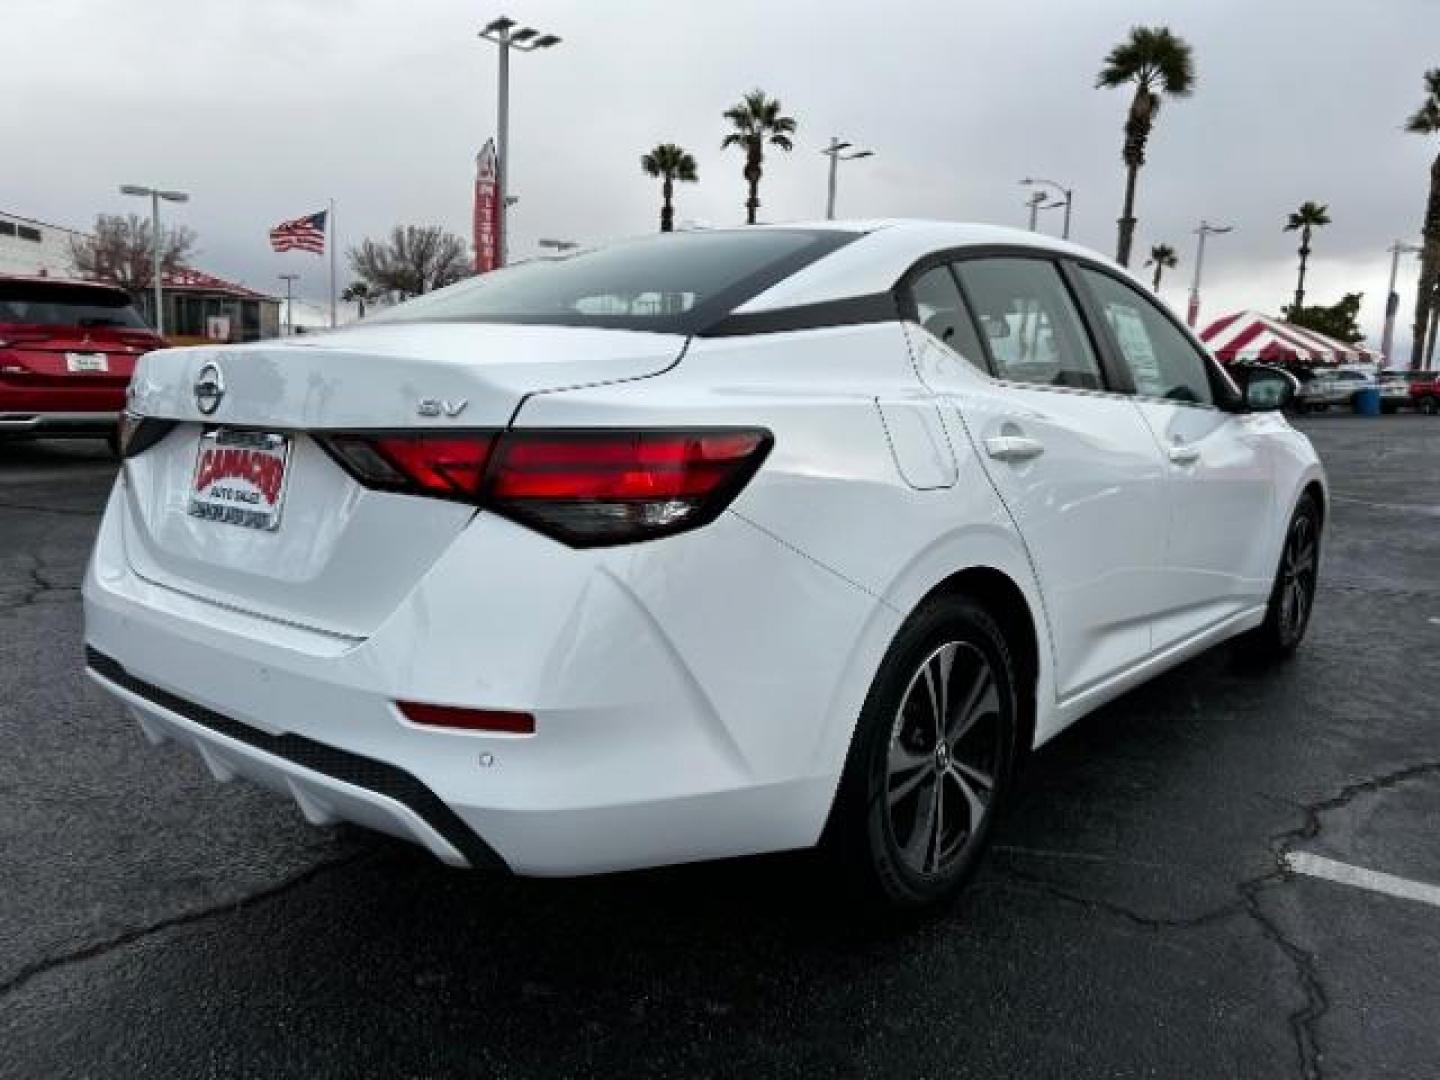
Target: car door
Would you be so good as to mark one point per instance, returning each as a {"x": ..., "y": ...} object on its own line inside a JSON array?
[
  {"x": 1072, "y": 460},
  {"x": 1219, "y": 483}
]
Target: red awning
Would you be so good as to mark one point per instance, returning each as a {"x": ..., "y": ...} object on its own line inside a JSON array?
[{"x": 1251, "y": 336}]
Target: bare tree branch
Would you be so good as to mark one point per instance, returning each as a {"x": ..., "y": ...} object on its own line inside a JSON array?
[
  {"x": 414, "y": 259},
  {"x": 121, "y": 251}
]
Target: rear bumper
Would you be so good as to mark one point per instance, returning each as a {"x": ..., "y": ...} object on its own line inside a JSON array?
[
  {"x": 685, "y": 696},
  {"x": 60, "y": 405},
  {"x": 327, "y": 783},
  {"x": 83, "y": 424}
]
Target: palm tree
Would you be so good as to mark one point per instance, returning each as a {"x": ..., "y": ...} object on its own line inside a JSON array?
[
  {"x": 1309, "y": 216},
  {"x": 1157, "y": 62},
  {"x": 669, "y": 163},
  {"x": 758, "y": 122},
  {"x": 1162, "y": 257},
  {"x": 1426, "y": 121}
]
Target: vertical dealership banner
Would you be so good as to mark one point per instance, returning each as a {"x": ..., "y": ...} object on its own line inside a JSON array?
[{"x": 487, "y": 210}]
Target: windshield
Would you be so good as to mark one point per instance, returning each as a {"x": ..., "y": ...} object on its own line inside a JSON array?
[
  {"x": 671, "y": 283},
  {"x": 37, "y": 303}
]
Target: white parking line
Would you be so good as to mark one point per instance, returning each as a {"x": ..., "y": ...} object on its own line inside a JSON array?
[{"x": 1303, "y": 862}]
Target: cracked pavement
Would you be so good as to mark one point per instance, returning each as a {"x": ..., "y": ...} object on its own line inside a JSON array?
[{"x": 1133, "y": 919}]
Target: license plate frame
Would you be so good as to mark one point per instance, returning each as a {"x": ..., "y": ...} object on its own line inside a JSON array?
[
  {"x": 87, "y": 363},
  {"x": 241, "y": 477}
]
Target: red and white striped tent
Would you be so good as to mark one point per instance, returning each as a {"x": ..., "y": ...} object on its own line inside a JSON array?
[{"x": 1249, "y": 335}]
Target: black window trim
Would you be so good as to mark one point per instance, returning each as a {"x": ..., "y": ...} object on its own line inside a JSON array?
[
  {"x": 909, "y": 310},
  {"x": 846, "y": 311},
  {"x": 1115, "y": 371},
  {"x": 1113, "y": 377},
  {"x": 1225, "y": 396}
]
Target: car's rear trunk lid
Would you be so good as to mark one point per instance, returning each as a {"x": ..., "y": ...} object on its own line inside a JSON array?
[{"x": 341, "y": 556}]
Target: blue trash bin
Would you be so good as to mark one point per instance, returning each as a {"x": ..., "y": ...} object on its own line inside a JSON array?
[{"x": 1367, "y": 401}]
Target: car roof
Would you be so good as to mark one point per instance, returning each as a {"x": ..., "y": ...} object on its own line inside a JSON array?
[{"x": 884, "y": 249}]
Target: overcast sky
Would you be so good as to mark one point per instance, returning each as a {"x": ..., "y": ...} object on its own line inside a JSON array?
[{"x": 264, "y": 109}]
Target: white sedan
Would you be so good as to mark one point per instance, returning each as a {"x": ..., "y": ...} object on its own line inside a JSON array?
[{"x": 696, "y": 546}]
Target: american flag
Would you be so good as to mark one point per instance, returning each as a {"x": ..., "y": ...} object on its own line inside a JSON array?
[{"x": 306, "y": 233}]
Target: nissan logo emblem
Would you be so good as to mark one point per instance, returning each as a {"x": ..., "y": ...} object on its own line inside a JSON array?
[{"x": 209, "y": 389}]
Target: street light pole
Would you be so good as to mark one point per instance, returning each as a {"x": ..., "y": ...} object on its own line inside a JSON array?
[
  {"x": 833, "y": 152},
  {"x": 289, "y": 280},
  {"x": 1392, "y": 298},
  {"x": 1067, "y": 196},
  {"x": 502, "y": 32},
  {"x": 1033, "y": 203},
  {"x": 1205, "y": 229},
  {"x": 1036, "y": 203},
  {"x": 156, "y": 194}
]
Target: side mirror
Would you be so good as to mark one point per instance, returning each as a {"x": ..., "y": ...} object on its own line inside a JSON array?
[{"x": 1269, "y": 388}]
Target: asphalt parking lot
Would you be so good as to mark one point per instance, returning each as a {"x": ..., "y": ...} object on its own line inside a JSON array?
[{"x": 1134, "y": 919}]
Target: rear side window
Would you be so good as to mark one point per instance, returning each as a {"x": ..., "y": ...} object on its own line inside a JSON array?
[
  {"x": 1161, "y": 359},
  {"x": 38, "y": 303},
  {"x": 671, "y": 283},
  {"x": 1025, "y": 312},
  {"x": 940, "y": 310}
]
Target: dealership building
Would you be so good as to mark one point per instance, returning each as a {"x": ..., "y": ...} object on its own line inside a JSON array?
[
  {"x": 35, "y": 248},
  {"x": 198, "y": 306}
]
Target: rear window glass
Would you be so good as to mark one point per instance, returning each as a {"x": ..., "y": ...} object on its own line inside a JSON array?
[
  {"x": 41, "y": 304},
  {"x": 671, "y": 283}
]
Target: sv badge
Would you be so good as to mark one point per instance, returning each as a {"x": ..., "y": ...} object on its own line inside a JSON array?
[{"x": 430, "y": 406}]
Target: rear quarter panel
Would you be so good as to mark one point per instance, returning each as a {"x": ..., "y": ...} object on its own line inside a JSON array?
[{"x": 831, "y": 489}]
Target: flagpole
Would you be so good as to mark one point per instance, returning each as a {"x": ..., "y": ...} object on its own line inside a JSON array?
[{"x": 330, "y": 228}]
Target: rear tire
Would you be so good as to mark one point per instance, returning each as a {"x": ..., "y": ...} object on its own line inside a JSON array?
[
  {"x": 931, "y": 762},
  {"x": 1429, "y": 405},
  {"x": 1292, "y": 598}
]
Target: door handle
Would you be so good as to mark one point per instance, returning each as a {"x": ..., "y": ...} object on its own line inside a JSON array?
[
  {"x": 1013, "y": 447},
  {"x": 1181, "y": 454}
]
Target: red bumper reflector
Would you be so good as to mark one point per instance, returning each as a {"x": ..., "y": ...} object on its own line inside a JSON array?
[{"x": 450, "y": 716}]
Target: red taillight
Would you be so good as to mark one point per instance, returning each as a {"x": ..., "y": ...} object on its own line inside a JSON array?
[
  {"x": 448, "y": 466},
  {"x": 614, "y": 487},
  {"x": 584, "y": 488},
  {"x": 451, "y": 716}
]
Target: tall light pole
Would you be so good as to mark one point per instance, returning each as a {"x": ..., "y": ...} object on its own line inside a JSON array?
[
  {"x": 1205, "y": 229},
  {"x": 1036, "y": 203},
  {"x": 156, "y": 194},
  {"x": 1067, "y": 196},
  {"x": 1392, "y": 298},
  {"x": 835, "y": 153},
  {"x": 503, "y": 33},
  {"x": 289, "y": 280}
]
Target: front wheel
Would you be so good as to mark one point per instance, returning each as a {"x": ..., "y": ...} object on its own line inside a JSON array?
[
  {"x": 1292, "y": 598},
  {"x": 1430, "y": 405},
  {"x": 931, "y": 761}
]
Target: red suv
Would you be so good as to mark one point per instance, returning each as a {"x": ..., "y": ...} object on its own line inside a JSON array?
[
  {"x": 1425, "y": 392},
  {"x": 67, "y": 350}
]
